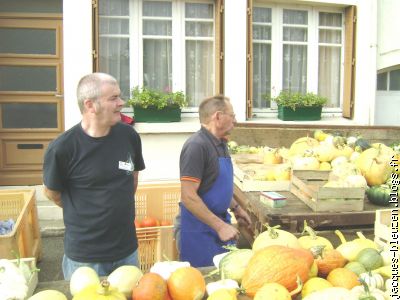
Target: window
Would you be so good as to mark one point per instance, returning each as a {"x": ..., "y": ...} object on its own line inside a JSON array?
[
  {"x": 381, "y": 81},
  {"x": 388, "y": 81},
  {"x": 164, "y": 45},
  {"x": 296, "y": 49},
  {"x": 394, "y": 83}
]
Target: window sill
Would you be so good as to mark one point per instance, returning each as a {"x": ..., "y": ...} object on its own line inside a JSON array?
[{"x": 186, "y": 125}]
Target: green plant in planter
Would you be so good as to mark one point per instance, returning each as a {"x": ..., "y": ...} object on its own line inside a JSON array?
[
  {"x": 145, "y": 97},
  {"x": 295, "y": 100}
]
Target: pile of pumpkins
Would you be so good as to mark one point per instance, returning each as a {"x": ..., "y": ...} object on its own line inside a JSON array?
[{"x": 352, "y": 162}]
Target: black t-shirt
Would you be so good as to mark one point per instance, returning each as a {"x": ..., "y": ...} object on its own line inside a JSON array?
[
  {"x": 199, "y": 159},
  {"x": 95, "y": 178}
]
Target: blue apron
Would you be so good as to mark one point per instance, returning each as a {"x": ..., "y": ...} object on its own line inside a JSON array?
[{"x": 199, "y": 243}]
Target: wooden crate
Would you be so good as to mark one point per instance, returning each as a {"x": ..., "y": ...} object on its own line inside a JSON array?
[
  {"x": 382, "y": 227},
  {"x": 247, "y": 184},
  {"x": 20, "y": 205},
  {"x": 160, "y": 201},
  {"x": 307, "y": 185}
]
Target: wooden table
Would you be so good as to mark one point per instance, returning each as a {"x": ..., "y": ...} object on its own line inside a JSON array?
[{"x": 291, "y": 217}]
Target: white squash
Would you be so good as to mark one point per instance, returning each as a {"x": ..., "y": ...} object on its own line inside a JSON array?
[
  {"x": 48, "y": 295},
  {"x": 81, "y": 278},
  {"x": 360, "y": 293},
  {"x": 274, "y": 236},
  {"x": 125, "y": 278},
  {"x": 373, "y": 280}
]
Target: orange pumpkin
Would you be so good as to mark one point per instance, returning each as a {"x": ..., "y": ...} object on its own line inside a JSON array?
[
  {"x": 151, "y": 286},
  {"x": 342, "y": 277},
  {"x": 329, "y": 260},
  {"x": 186, "y": 283},
  {"x": 278, "y": 264}
]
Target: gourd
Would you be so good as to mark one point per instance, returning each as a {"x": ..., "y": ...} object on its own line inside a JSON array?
[
  {"x": 365, "y": 292},
  {"x": 101, "y": 291},
  {"x": 356, "y": 267},
  {"x": 302, "y": 144},
  {"x": 48, "y": 295},
  {"x": 312, "y": 239},
  {"x": 379, "y": 194},
  {"x": 233, "y": 265},
  {"x": 387, "y": 257},
  {"x": 327, "y": 260},
  {"x": 278, "y": 264},
  {"x": 370, "y": 258},
  {"x": 373, "y": 280},
  {"x": 81, "y": 278},
  {"x": 350, "y": 250},
  {"x": 186, "y": 283},
  {"x": 124, "y": 278},
  {"x": 276, "y": 291},
  {"x": 342, "y": 277},
  {"x": 275, "y": 236},
  {"x": 331, "y": 293},
  {"x": 151, "y": 286},
  {"x": 313, "y": 285},
  {"x": 223, "y": 294}
]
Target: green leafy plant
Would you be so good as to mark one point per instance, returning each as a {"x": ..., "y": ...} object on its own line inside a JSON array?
[
  {"x": 294, "y": 100},
  {"x": 145, "y": 97}
]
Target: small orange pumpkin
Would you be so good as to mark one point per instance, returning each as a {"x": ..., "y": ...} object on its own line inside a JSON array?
[
  {"x": 150, "y": 287},
  {"x": 186, "y": 283},
  {"x": 342, "y": 277},
  {"x": 329, "y": 260},
  {"x": 278, "y": 264}
]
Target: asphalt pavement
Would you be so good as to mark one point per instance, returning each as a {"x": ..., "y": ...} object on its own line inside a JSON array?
[{"x": 50, "y": 263}]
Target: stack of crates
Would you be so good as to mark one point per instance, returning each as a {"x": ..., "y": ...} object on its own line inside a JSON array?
[{"x": 160, "y": 201}]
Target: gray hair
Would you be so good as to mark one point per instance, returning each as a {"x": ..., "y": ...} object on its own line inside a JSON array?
[
  {"x": 89, "y": 87},
  {"x": 211, "y": 105}
]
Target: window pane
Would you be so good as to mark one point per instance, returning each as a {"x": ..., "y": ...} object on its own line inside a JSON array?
[
  {"x": 394, "y": 84},
  {"x": 382, "y": 82},
  {"x": 156, "y": 27},
  {"x": 200, "y": 74},
  {"x": 262, "y": 32},
  {"x": 330, "y": 36},
  {"x": 114, "y": 60},
  {"x": 114, "y": 8},
  {"x": 295, "y": 17},
  {"x": 261, "y": 75},
  {"x": 113, "y": 26},
  {"x": 199, "y": 29},
  {"x": 157, "y": 9},
  {"x": 29, "y": 115},
  {"x": 262, "y": 15},
  {"x": 24, "y": 78},
  {"x": 199, "y": 11},
  {"x": 329, "y": 74},
  {"x": 295, "y": 34},
  {"x": 157, "y": 64},
  {"x": 330, "y": 19},
  {"x": 294, "y": 77},
  {"x": 29, "y": 6},
  {"x": 27, "y": 41}
]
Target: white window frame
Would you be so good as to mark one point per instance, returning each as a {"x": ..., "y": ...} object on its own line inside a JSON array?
[{"x": 312, "y": 52}]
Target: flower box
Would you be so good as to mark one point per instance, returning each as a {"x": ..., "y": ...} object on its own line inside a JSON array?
[
  {"x": 305, "y": 113},
  {"x": 153, "y": 115}
]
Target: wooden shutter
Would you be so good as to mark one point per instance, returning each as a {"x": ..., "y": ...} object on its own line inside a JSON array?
[
  {"x": 219, "y": 46},
  {"x": 95, "y": 35},
  {"x": 249, "y": 69},
  {"x": 349, "y": 62}
]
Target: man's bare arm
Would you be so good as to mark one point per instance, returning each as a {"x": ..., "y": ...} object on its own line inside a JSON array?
[
  {"x": 135, "y": 180},
  {"x": 52, "y": 195}
]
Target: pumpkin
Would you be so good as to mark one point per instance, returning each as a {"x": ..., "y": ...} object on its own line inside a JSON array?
[
  {"x": 276, "y": 291},
  {"x": 101, "y": 291},
  {"x": 342, "y": 277},
  {"x": 272, "y": 156},
  {"x": 379, "y": 194},
  {"x": 313, "y": 285},
  {"x": 48, "y": 295},
  {"x": 150, "y": 287},
  {"x": 186, "y": 283},
  {"x": 275, "y": 236},
  {"x": 328, "y": 260},
  {"x": 223, "y": 294},
  {"x": 356, "y": 267},
  {"x": 81, "y": 278},
  {"x": 370, "y": 258},
  {"x": 124, "y": 278},
  {"x": 278, "y": 264},
  {"x": 311, "y": 240},
  {"x": 331, "y": 293},
  {"x": 301, "y": 144},
  {"x": 373, "y": 280},
  {"x": 325, "y": 152}
]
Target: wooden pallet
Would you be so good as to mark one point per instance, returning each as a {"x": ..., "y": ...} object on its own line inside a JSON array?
[{"x": 307, "y": 185}]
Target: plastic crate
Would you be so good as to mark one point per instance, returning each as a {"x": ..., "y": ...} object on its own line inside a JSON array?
[
  {"x": 382, "y": 228},
  {"x": 160, "y": 201},
  {"x": 20, "y": 205}
]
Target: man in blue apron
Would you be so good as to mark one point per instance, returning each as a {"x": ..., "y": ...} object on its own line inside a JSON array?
[{"x": 206, "y": 175}]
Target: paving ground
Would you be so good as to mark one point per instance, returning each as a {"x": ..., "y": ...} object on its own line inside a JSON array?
[{"x": 50, "y": 264}]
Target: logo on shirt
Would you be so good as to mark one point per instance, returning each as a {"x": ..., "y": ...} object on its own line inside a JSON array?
[{"x": 127, "y": 165}]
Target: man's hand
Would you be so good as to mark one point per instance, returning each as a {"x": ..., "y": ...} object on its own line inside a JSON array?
[
  {"x": 52, "y": 195},
  {"x": 228, "y": 232},
  {"x": 242, "y": 217}
]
